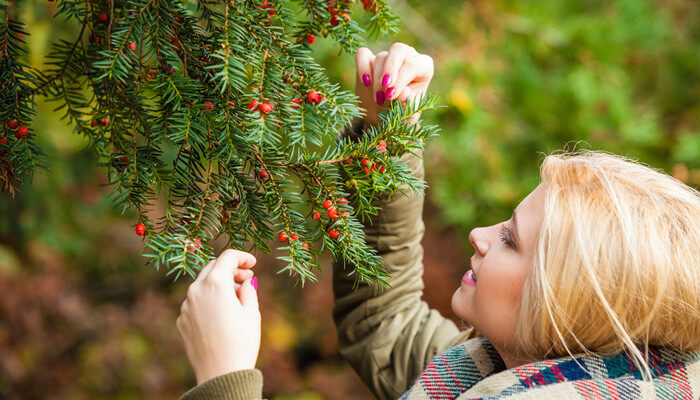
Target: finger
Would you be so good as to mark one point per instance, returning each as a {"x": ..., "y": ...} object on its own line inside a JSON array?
[
  {"x": 407, "y": 73},
  {"x": 405, "y": 95},
  {"x": 228, "y": 263},
  {"x": 205, "y": 271},
  {"x": 378, "y": 68},
  {"x": 363, "y": 58},
  {"x": 248, "y": 295},
  {"x": 398, "y": 53},
  {"x": 243, "y": 274}
]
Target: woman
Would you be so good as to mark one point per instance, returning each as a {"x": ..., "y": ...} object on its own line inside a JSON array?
[{"x": 590, "y": 290}]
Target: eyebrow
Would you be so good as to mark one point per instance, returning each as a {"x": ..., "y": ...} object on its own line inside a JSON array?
[{"x": 515, "y": 228}]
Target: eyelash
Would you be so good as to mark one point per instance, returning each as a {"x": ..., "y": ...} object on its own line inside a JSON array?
[{"x": 506, "y": 236}]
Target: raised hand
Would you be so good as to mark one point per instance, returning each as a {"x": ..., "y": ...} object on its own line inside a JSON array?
[
  {"x": 219, "y": 321},
  {"x": 398, "y": 74}
]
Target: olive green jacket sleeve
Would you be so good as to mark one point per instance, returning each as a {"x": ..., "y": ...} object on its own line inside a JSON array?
[{"x": 389, "y": 337}]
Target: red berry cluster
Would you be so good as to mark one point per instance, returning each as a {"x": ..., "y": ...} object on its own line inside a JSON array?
[
  {"x": 263, "y": 174},
  {"x": 270, "y": 8},
  {"x": 132, "y": 46},
  {"x": 314, "y": 97},
  {"x": 21, "y": 132},
  {"x": 368, "y": 166},
  {"x": 333, "y": 11},
  {"x": 265, "y": 108},
  {"x": 332, "y": 213},
  {"x": 121, "y": 164},
  {"x": 284, "y": 236},
  {"x": 369, "y": 5},
  {"x": 99, "y": 121},
  {"x": 310, "y": 37},
  {"x": 195, "y": 243}
]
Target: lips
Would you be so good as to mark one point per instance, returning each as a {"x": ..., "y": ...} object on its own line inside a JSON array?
[{"x": 468, "y": 278}]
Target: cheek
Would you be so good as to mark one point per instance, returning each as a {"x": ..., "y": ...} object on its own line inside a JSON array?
[{"x": 492, "y": 306}]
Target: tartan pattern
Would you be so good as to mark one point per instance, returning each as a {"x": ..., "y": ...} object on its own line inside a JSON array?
[{"x": 474, "y": 370}]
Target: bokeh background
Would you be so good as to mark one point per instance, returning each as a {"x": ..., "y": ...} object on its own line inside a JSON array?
[{"x": 82, "y": 317}]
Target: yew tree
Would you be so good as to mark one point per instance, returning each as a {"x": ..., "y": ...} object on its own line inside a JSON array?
[{"x": 212, "y": 118}]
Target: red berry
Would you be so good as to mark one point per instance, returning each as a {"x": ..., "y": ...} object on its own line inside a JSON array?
[
  {"x": 132, "y": 46},
  {"x": 283, "y": 236},
  {"x": 253, "y": 105},
  {"x": 314, "y": 96},
  {"x": 366, "y": 170},
  {"x": 102, "y": 17},
  {"x": 374, "y": 166},
  {"x": 231, "y": 104},
  {"x": 197, "y": 243},
  {"x": 140, "y": 229},
  {"x": 12, "y": 124},
  {"x": 364, "y": 162},
  {"x": 295, "y": 103},
  {"x": 335, "y": 218},
  {"x": 346, "y": 16},
  {"x": 334, "y": 21},
  {"x": 271, "y": 11},
  {"x": 22, "y": 132},
  {"x": 294, "y": 236},
  {"x": 348, "y": 160},
  {"x": 305, "y": 245},
  {"x": 104, "y": 121},
  {"x": 265, "y": 108},
  {"x": 327, "y": 204},
  {"x": 310, "y": 38},
  {"x": 333, "y": 233},
  {"x": 345, "y": 214},
  {"x": 316, "y": 215},
  {"x": 3, "y": 141},
  {"x": 332, "y": 212},
  {"x": 342, "y": 200},
  {"x": 263, "y": 174},
  {"x": 382, "y": 168},
  {"x": 93, "y": 123},
  {"x": 264, "y": 4},
  {"x": 208, "y": 106}
]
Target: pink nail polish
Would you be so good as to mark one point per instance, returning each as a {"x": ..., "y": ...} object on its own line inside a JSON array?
[
  {"x": 385, "y": 80},
  {"x": 254, "y": 282},
  {"x": 366, "y": 80},
  {"x": 380, "y": 98},
  {"x": 389, "y": 92}
]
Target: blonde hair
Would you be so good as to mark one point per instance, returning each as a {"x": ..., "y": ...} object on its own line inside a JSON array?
[{"x": 616, "y": 261}]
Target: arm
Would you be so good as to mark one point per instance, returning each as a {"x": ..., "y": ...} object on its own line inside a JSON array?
[
  {"x": 244, "y": 384},
  {"x": 388, "y": 337}
]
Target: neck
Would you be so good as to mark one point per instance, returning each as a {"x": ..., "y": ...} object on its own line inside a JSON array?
[{"x": 512, "y": 359}]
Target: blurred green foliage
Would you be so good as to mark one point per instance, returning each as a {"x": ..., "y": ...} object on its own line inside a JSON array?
[
  {"x": 522, "y": 79},
  {"x": 518, "y": 80}
]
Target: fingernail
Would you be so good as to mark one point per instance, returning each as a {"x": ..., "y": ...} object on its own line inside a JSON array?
[
  {"x": 380, "y": 97},
  {"x": 254, "y": 282},
  {"x": 385, "y": 80},
  {"x": 365, "y": 79},
  {"x": 389, "y": 92}
]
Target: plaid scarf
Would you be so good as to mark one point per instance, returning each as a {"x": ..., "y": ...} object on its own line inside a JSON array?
[{"x": 474, "y": 369}]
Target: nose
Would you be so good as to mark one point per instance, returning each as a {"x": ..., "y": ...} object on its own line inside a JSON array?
[{"x": 478, "y": 241}]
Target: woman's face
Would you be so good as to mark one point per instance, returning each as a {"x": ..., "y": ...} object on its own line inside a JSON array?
[{"x": 491, "y": 301}]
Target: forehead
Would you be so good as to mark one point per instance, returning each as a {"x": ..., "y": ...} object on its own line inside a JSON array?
[{"x": 530, "y": 213}]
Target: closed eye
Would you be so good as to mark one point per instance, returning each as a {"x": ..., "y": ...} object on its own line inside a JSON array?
[{"x": 507, "y": 236}]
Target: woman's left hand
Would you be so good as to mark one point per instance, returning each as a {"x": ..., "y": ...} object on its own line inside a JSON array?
[{"x": 220, "y": 320}]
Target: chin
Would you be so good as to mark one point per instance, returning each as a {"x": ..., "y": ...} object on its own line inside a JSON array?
[{"x": 459, "y": 303}]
